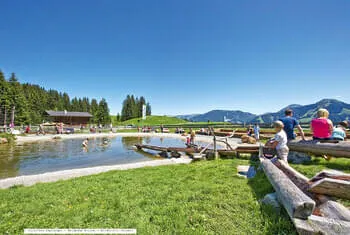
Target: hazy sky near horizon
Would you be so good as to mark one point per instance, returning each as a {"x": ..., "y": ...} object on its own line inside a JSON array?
[{"x": 183, "y": 56}]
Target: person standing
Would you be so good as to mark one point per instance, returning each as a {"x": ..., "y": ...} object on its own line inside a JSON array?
[
  {"x": 256, "y": 131},
  {"x": 192, "y": 135},
  {"x": 290, "y": 123}
]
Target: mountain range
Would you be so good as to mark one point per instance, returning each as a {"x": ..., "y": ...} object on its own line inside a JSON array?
[{"x": 304, "y": 113}]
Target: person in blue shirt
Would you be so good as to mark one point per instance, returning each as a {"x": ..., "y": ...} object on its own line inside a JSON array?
[{"x": 290, "y": 123}]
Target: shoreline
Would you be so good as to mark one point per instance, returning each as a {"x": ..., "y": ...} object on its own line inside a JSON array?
[
  {"x": 50, "y": 137},
  {"x": 29, "y": 180}
]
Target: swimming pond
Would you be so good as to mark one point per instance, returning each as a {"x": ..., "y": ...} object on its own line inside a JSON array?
[{"x": 55, "y": 155}]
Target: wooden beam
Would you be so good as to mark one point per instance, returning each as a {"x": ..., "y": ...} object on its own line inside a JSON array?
[
  {"x": 334, "y": 174},
  {"x": 327, "y": 207},
  {"x": 334, "y": 210},
  {"x": 341, "y": 149},
  {"x": 332, "y": 187},
  {"x": 296, "y": 203},
  {"x": 316, "y": 225}
]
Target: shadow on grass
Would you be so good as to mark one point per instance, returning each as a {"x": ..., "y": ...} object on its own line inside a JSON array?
[
  {"x": 334, "y": 163},
  {"x": 278, "y": 222}
]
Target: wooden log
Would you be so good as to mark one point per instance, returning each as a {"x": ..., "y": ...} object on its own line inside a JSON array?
[
  {"x": 168, "y": 149},
  {"x": 328, "y": 208},
  {"x": 316, "y": 225},
  {"x": 332, "y": 187},
  {"x": 341, "y": 149},
  {"x": 334, "y": 210},
  {"x": 301, "y": 181},
  {"x": 334, "y": 174},
  {"x": 296, "y": 203}
]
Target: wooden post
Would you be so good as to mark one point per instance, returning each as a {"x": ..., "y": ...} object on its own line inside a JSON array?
[
  {"x": 215, "y": 150},
  {"x": 296, "y": 203},
  {"x": 13, "y": 115},
  {"x": 5, "y": 114}
]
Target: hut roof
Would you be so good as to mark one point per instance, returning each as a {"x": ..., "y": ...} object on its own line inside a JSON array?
[{"x": 67, "y": 114}]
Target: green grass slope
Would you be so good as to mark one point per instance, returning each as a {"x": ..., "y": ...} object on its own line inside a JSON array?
[
  {"x": 154, "y": 120},
  {"x": 201, "y": 198}
]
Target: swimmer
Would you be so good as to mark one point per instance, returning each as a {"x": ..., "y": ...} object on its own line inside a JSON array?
[
  {"x": 85, "y": 143},
  {"x": 105, "y": 141}
]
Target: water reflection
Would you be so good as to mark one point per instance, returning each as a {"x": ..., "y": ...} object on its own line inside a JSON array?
[{"x": 40, "y": 157}]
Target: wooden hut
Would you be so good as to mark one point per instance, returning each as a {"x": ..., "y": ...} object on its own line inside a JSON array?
[{"x": 69, "y": 118}]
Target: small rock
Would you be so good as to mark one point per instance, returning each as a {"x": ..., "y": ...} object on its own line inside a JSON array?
[
  {"x": 163, "y": 154},
  {"x": 271, "y": 199},
  {"x": 251, "y": 172},
  {"x": 246, "y": 171},
  {"x": 248, "y": 139},
  {"x": 175, "y": 154},
  {"x": 210, "y": 155},
  {"x": 3, "y": 141},
  {"x": 298, "y": 158}
]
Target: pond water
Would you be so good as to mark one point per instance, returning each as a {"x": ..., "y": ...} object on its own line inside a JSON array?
[{"x": 41, "y": 157}]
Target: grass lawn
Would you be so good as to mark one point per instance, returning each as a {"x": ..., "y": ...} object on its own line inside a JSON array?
[
  {"x": 204, "y": 197},
  {"x": 201, "y": 198},
  {"x": 153, "y": 120}
]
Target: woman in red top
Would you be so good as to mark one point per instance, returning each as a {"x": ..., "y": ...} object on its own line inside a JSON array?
[{"x": 321, "y": 126}]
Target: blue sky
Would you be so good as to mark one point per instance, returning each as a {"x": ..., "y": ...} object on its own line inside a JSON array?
[{"x": 183, "y": 56}]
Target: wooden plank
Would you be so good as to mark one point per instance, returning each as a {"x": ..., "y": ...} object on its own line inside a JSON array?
[
  {"x": 296, "y": 203},
  {"x": 301, "y": 181},
  {"x": 332, "y": 187},
  {"x": 168, "y": 149},
  {"x": 316, "y": 225},
  {"x": 341, "y": 149},
  {"x": 334, "y": 210},
  {"x": 334, "y": 174},
  {"x": 328, "y": 208}
]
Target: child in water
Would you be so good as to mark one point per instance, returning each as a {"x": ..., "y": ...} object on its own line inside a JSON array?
[{"x": 85, "y": 143}]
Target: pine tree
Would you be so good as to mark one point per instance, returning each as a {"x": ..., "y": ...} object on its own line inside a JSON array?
[
  {"x": 148, "y": 109},
  {"x": 127, "y": 109},
  {"x": 94, "y": 110},
  {"x": 4, "y": 96},
  {"x": 66, "y": 102},
  {"x": 103, "y": 113},
  {"x": 18, "y": 102},
  {"x": 142, "y": 102}
]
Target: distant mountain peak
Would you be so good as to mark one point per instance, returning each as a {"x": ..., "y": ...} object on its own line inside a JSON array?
[
  {"x": 338, "y": 111},
  {"x": 325, "y": 101}
]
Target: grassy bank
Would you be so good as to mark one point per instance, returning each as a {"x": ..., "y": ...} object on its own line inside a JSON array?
[
  {"x": 200, "y": 198},
  {"x": 153, "y": 120}
]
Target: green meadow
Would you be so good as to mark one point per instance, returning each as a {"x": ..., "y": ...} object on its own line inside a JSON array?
[{"x": 205, "y": 197}]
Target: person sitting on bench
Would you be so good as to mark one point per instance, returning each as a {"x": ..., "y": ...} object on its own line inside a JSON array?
[
  {"x": 321, "y": 126},
  {"x": 339, "y": 131}
]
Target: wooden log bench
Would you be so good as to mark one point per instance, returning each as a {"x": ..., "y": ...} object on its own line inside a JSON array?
[{"x": 296, "y": 203}]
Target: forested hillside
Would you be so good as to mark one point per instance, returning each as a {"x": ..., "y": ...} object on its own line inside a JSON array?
[{"x": 30, "y": 102}]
